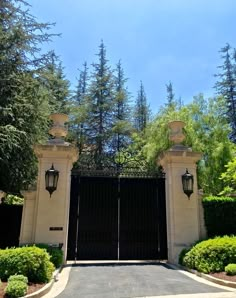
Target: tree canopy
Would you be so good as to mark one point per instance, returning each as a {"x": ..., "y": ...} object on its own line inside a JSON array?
[{"x": 24, "y": 101}]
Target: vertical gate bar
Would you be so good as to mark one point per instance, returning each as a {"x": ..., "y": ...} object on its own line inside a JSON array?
[
  {"x": 77, "y": 223},
  {"x": 118, "y": 221},
  {"x": 158, "y": 222}
]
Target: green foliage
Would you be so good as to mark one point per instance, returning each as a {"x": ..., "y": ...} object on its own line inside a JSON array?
[
  {"x": 55, "y": 84},
  {"x": 220, "y": 215},
  {"x": 13, "y": 200},
  {"x": 182, "y": 255},
  {"x": 32, "y": 262},
  {"x": 16, "y": 288},
  {"x": 100, "y": 105},
  {"x": 211, "y": 255},
  {"x": 18, "y": 277},
  {"x": 141, "y": 110},
  {"x": 56, "y": 254},
  {"x": 24, "y": 103},
  {"x": 229, "y": 178},
  {"x": 32, "y": 85},
  {"x": 226, "y": 86},
  {"x": 206, "y": 131},
  {"x": 230, "y": 269}
]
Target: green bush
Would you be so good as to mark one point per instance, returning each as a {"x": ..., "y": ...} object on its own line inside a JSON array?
[
  {"x": 211, "y": 255},
  {"x": 230, "y": 269},
  {"x": 32, "y": 262},
  {"x": 220, "y": 215},
  {"x": 182, "y": 255},
  {"x": 56, "y": 254},
  {"x": 13, "y": 200},
  {"x": 18, "y": 277},
  {"x": 16, "y": 288}
]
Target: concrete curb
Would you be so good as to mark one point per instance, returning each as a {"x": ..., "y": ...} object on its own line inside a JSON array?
[
  {"x": 205, "y": 276},
  {"x": 44, "y": 290},
  {"x": 41, "y": 292}
]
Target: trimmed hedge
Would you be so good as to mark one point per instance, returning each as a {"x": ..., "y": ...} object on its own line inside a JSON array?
[
  {"x": 56, "y": 254},
  {"x": 211, "y": 255},
  {"x": 18, "y": 277},
  {"x": 32, "y": 262},
  {"x": 16, "y": 288},
  {"x": 230, "y": 269},
  {"x": 220, "y": 215}
]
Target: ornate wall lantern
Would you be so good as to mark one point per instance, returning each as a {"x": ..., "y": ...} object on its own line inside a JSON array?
[
  {"x": 51, "y": 179},
  {"x": 187, "y": 182}
]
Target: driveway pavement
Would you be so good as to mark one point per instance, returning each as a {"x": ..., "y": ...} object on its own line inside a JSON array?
[{"x": 136, "y": 280}]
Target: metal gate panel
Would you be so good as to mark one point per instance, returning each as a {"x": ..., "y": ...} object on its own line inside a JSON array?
[
  {"x": 73, "y": 219},
  {"x": 138, "y": 219},
  {"x": 98, "y": 219},
  {"x": 10, "y": 224},
  {"x": 117, "y": 218},
  {"x": 161, "y": 214}
]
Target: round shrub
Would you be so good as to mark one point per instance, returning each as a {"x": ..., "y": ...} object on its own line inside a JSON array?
[
  {"x": 182, "y": 255},
  {"x": 56, "y": 254},
  {"x": 211, "y": 255},
  {"x": 16, "y": 288},
  {"x": 230, "y": 269},
  {"x": 18, "y": 277},
  {"x": 32, "y": 262}
]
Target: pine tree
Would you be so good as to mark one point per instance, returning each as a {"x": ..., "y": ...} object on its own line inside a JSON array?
[
  {"x": 80, "y": 110},
  {"x": 226, "y": 86},
  {"x": 24, "y": 108},
  {"x": 100, "y": 102},
  {"x": 141, "y": 112},
  {"x": 122, "y": 125},
  {"x": 56, "y": 85},
  {"x": 171, "y": 102}
]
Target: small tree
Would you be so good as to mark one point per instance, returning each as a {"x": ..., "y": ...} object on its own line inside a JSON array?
[
  {"x": 141, "y": 110},
  {"x": 122, "y": 127},
  {"x": 226, "y": 86}
]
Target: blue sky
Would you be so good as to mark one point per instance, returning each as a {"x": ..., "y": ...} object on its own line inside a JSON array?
[{"x": 157, "y": 40}]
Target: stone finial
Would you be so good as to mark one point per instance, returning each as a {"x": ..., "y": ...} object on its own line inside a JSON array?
[
  {"x": 59, "y": 129},
  {"x": 176, "y": 132}
]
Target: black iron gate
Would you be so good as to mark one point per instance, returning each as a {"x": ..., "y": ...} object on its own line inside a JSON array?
[
  {"x": 117, "y": 218},
  {"x": 10, "y": 224}
]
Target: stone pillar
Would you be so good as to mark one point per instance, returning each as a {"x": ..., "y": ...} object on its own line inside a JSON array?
[
  {"x": 203, "y": 231},
  {"x": 183, "y": 225},
  {"x": 45, "y": 219}
]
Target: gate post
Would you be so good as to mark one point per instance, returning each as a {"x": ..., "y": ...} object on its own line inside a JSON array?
[
  {"x": 45, "y": 219},
  {"x": 183, "y": 219}
]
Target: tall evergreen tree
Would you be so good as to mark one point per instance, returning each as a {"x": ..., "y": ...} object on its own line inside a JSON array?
[
  {"x": 226, "y": 86},
  {"x": 56, "y": 85},
  {"x": 100, "y": 102},
  {"x": 24, "y": 107},
  {"x": 141, "y": 111},
  {"x": 122, "y": 123},
  {"x": 80, "y": 109},
  {"x": 171, "y": 102}
]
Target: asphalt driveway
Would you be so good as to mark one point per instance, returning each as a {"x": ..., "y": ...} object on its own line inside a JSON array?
[{"x": 130, "y": 280}]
